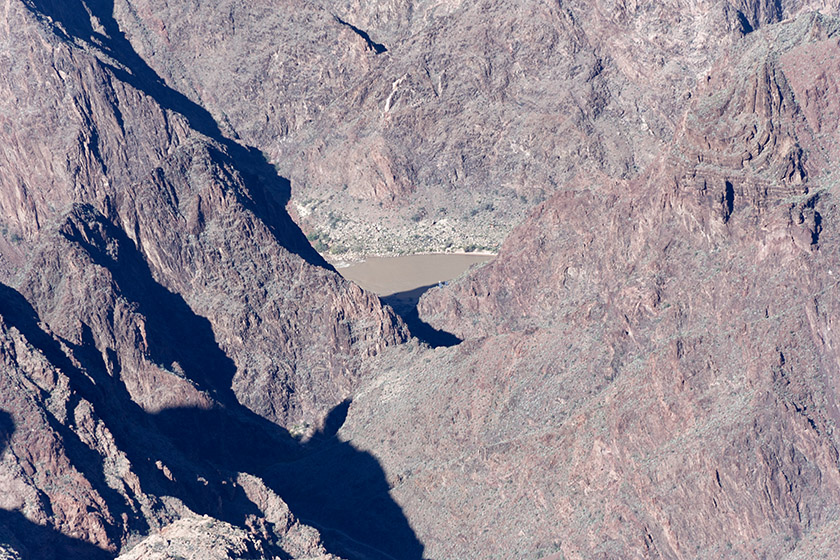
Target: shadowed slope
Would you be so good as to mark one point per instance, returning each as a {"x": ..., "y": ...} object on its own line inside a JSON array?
[
  {"x": 405, "y": 305},
  {"x": 327, "y": 482},
  {"x": 202, "y": 447},
  {"x": 18, "y": 534},
  {"x": 269, "y": 191}
]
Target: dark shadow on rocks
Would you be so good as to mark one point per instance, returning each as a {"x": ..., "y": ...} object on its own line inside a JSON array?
[
  {"x": 7, "y": 428},
  {"x": 335, "y": 420},
  {"x": 405, "y": 305},
  {"x": 31, "y": 540},
  {"x": 19, "y": 313},
  {"x": 269, "y": 191},
  {"x": 200, "y": 485},
  {"x": 175, "y": 335},
  {"x": 344, "y": 493},
  {"x": 326, "y": 482},
  {"x": 43, "y": 543},
  {"x": 378, "y": 48}
]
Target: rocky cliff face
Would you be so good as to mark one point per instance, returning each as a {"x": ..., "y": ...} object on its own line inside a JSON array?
[
  {"x": 666, "y": 341},
  {"x": 451, "y": 119},
  {"x": 648, "y": 369},
  {"x": 86, "y": 472},
  {"x": 128, "y": 184},
  {"x": 174, "y": 309}
]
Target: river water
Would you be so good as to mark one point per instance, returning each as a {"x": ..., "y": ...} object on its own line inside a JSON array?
[{"x": 385, "y": 276}]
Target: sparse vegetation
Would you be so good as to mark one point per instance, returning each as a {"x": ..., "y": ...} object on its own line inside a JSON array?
[
  {"x": 334, "y": 220},
  {"x": 14, "y": 237},
  {"x": 298, "y": 431}
]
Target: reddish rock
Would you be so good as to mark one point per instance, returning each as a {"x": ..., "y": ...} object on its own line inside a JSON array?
[
  {"x": 172, "y": 308},
  {"x": 648, "y": 369},
  {"x": 466, "y": 112}
]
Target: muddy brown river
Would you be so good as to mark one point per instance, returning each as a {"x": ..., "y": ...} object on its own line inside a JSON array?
[{"x": 385, "y": 276}]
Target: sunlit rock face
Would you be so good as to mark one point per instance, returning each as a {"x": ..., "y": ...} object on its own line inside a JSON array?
[{"x": 648, "y": 369}]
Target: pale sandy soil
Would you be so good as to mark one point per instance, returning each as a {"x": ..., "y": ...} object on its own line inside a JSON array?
[{"x": 389, "y": 275}]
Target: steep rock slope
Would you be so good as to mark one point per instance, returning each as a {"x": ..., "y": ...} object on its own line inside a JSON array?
[
  {"x": 451, "y": 119},
  {"x": 649, "y": 366},
  {"x": 205, "y": 216},
  {"x": 746, "y": 148},
  {"x": 84, "y": 471},
  {"x": 165, "y": 316}
]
